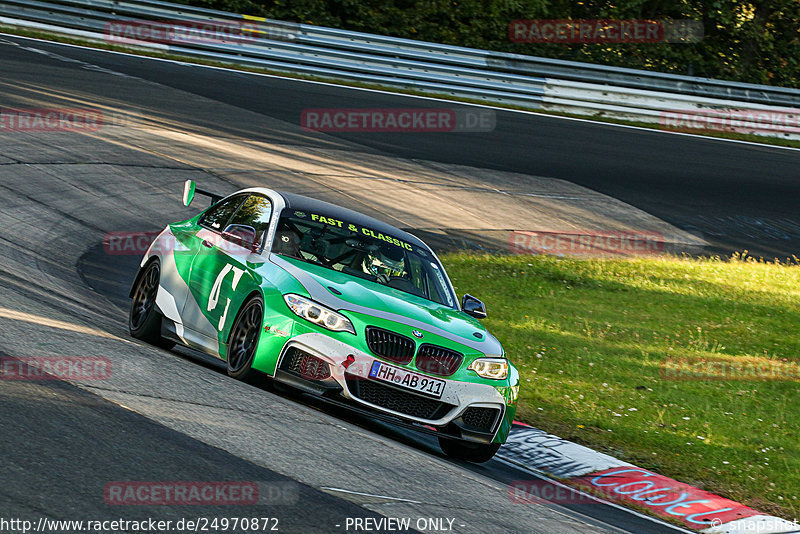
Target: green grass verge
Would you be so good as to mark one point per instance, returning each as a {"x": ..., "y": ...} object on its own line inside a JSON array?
[
  {"x": 591, "y": 338},
  {"x": 142, "y": 51}
]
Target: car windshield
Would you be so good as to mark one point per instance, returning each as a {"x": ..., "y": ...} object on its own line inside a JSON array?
[{"x": 362, "y": 252}]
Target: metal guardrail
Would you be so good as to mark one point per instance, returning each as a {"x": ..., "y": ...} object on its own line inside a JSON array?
[
  {"x": 529, "y": 81},
  {"x": 289, "y": 53}
]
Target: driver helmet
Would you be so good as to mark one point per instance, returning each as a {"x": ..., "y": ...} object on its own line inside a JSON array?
[{"x": 387, "y": 261}]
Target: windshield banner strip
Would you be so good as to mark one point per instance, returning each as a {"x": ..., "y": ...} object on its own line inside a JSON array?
[{"x": 362, "y": 230}]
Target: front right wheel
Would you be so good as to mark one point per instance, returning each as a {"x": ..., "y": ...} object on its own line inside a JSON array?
[
  {"x": 467, "y": 450},
  {"x": 243, "y": 340}
]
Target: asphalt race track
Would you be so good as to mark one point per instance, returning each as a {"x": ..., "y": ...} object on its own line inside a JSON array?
[
  {"x": 173, "y": 415},
  {"x": 736, "y": 196}
]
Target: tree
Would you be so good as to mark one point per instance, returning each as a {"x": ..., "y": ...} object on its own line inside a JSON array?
[{"x": 756, "y": 41}]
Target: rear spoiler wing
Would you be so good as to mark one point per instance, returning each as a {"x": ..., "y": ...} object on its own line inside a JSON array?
[{"x": 190, "y": 190}]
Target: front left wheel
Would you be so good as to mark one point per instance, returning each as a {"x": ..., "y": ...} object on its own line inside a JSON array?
[
  {"x": 144, "y": 319},
  {"x": 243, "y": 340}
]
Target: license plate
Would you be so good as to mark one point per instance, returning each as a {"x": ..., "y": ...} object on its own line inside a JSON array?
[{"x": 407, "y": 379}]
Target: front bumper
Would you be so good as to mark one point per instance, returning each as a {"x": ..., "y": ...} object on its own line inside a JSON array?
[{"x": 469, "y": 411}]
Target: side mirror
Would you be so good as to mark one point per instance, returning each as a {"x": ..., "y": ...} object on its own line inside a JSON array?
[
  {"x": 188, "y": 192},
  {"x": 474, "y": 307},
  {"x": 242, "y": 235}
]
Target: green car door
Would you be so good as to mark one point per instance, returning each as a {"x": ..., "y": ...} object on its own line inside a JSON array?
[{"x": 231, "y": 235}]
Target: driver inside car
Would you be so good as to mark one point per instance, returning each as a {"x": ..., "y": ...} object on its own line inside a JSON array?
[
  {"x": 385, "y": 263},
  {"x": 388, "y": 265}
]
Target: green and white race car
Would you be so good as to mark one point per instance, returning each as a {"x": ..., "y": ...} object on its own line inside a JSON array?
[{"x": 331, "y": 302}]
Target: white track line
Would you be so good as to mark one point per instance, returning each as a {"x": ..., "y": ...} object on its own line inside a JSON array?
[{"x": 398, "y": 499}]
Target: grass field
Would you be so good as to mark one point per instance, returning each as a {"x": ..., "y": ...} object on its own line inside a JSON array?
[{"x": 602, "y": 347}]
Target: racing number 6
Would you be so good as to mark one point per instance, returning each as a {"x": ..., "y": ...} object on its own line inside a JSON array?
[{"x": 213, "y": 298}]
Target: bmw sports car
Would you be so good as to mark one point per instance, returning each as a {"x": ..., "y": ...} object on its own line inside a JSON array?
[{"x": 331, "y": 302}]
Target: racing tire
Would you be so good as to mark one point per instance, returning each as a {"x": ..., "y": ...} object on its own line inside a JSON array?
[
  {"x": 243, "y": 341},
  {"x": 144, "y": 319},
  {"x": 467, "y": 450}
]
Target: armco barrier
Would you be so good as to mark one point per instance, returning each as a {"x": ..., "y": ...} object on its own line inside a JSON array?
[{"x": 533, "y": 82}]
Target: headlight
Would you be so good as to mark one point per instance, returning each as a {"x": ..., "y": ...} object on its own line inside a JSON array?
[
  {"x": 494, "y": 368},
  {"x": 318, "y": 314}
]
